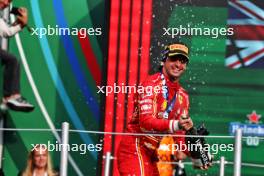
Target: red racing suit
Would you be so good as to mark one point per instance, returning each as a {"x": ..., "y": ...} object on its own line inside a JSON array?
[{"x": 137, "y": 154}]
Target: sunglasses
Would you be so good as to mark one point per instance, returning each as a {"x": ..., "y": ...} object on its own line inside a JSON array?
[{"x": 183, "y": 60}]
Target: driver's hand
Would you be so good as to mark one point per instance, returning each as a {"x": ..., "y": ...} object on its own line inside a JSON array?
[
  {"x": 23, "y": 18},
  {"x": 186, "y": 124}
]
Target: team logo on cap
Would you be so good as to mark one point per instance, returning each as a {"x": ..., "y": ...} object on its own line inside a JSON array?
[{"x": 178, "y": 47}]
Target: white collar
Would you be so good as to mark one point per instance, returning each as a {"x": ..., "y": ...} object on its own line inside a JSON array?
[{"x": 46, "y": 174}]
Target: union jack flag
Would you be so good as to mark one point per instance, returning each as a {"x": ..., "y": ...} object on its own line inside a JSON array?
[{"x": 246, "y": 47}]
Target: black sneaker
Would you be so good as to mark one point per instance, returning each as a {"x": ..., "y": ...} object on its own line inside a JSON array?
[{"x": 19, "y": 104}]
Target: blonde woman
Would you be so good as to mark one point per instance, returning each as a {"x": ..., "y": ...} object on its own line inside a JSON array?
[{"x": 39, "y": 163}]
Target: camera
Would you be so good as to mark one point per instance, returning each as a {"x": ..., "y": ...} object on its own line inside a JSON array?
[{"x": 15, "y": 11}]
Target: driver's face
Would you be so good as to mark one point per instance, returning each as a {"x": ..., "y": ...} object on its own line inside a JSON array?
[{"x": 175, "y": 67}]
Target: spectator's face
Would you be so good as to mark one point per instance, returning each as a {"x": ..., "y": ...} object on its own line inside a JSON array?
[
  {"x": 175, "y": 67},
  {"x": 4, "y": 4},
  {"x": 40, "y": 158}
]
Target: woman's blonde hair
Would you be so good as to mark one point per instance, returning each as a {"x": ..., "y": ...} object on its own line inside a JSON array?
[{"x": 30, "y": 165}]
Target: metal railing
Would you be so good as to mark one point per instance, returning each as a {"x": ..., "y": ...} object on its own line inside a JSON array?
[{"x": 64, "y": 156}]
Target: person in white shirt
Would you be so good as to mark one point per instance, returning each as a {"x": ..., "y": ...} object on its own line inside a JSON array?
[{"x": 11, "y": 82}]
